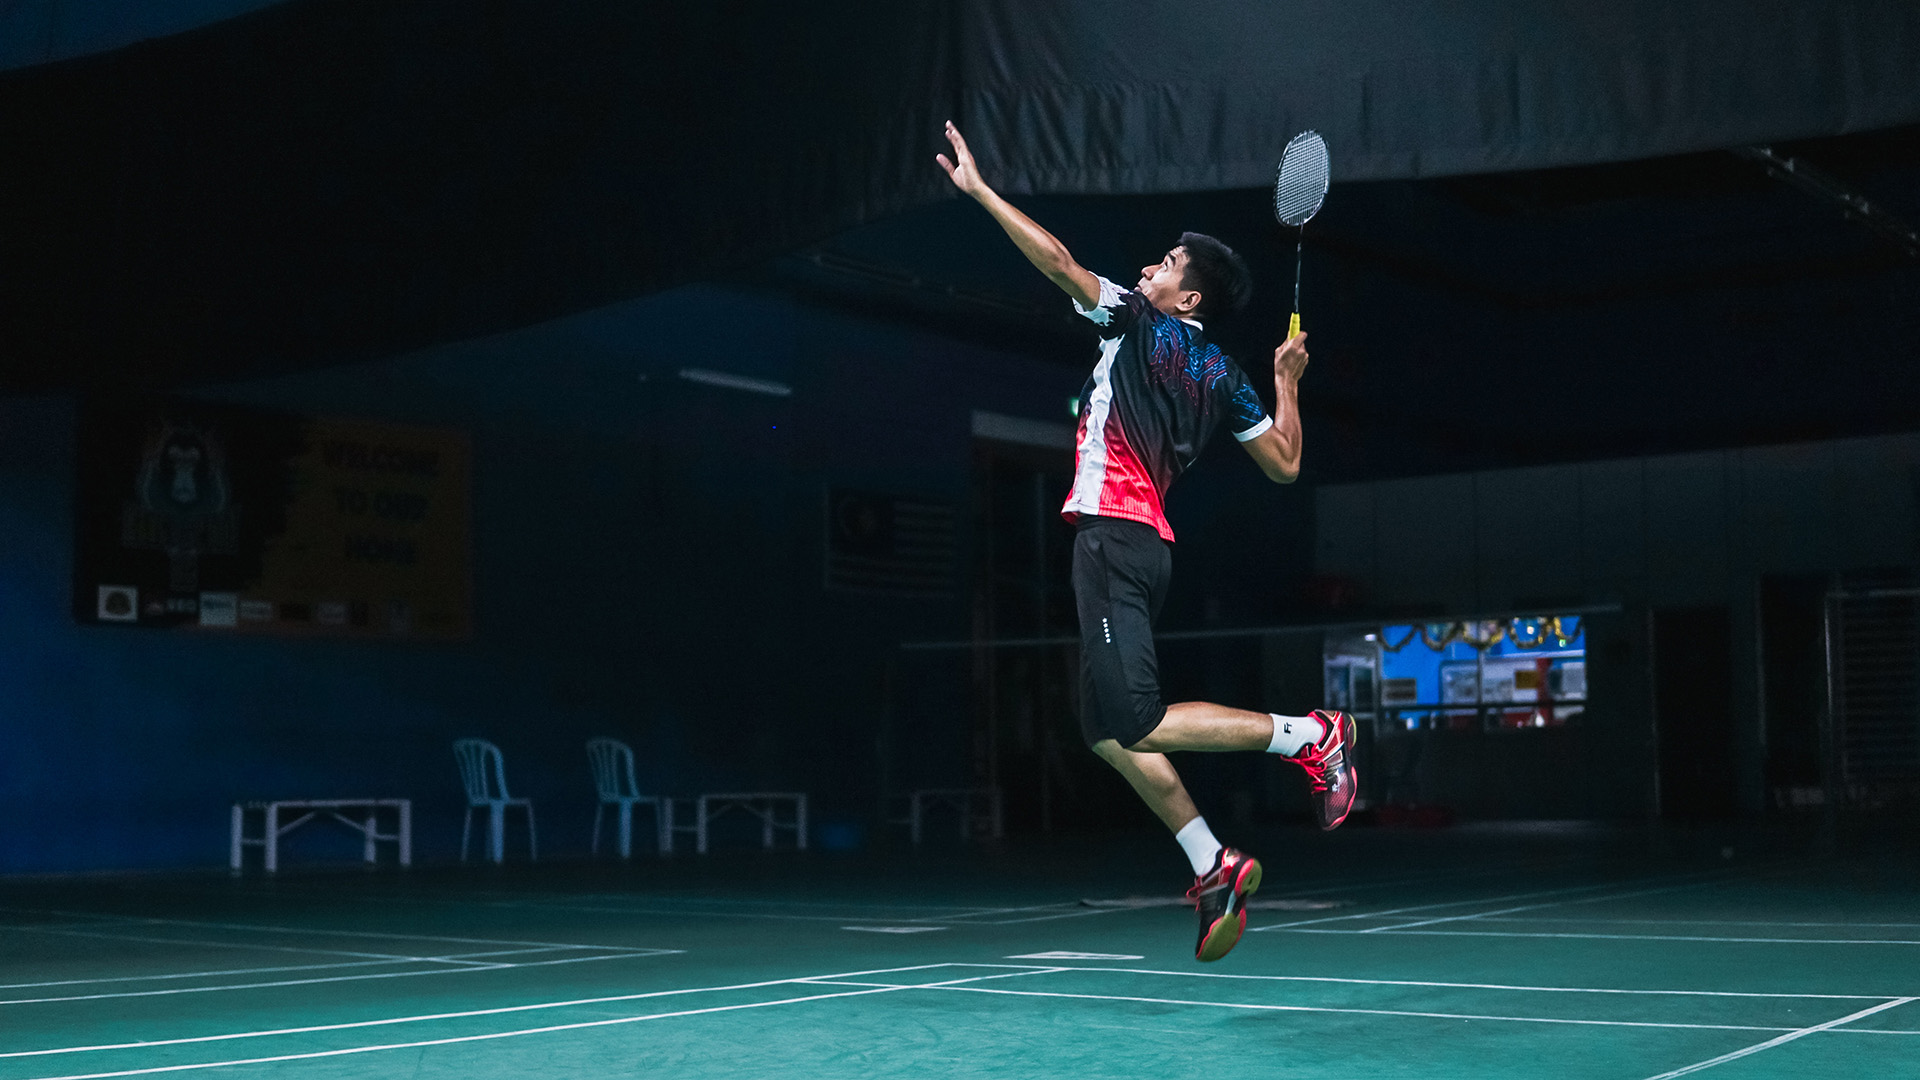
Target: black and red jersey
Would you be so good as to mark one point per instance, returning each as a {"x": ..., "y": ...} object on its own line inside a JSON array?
[{"x": 1154, "y": 399}]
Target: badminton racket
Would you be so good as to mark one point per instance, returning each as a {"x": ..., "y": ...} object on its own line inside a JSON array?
[{"x": 1299, "y": 187}]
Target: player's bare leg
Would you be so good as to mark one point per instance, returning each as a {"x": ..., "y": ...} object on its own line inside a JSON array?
[
  {"x": 1317, "y": 742},
  {"x": 1224, "y": 877}
]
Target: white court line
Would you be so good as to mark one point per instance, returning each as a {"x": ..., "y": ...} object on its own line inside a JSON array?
[
  {"x": 1869, "y": 1031},
  {"x": 1552, "y": 903},
  {"x": 525, "y": 1031},
  {"x": 471, "y": 956},
  {"x": 521, "y": 900},
  {"x": 1362, "y": 1012},
  {"x": 695, "y": 906},
  {"x": 1078, "y": 913},
  {"x": 313, "y": 931},
  {"x": 496, "y": 1011},
  {"x": 196, "y": 974},
  {"x": 470, "y": 970},
  {"x": 1787, "y": 1038},
  {"x": 593, "y": 909},
  {"x": 1704, "y": 922},
  {"x": 682, "y": 912},
  {"x": 1482, "y": 986},
  {"x": 462, "y": 1038},
  {"x": 218, "y": 973},
  {"x": 251, "y": 946},
  {"x": 1502, "y": 870},
  {"x": 1442, "y": 904},
  {"x": 1623, "y": 937}
]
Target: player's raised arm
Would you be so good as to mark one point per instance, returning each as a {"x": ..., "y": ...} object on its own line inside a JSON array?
[
  {"x": 1040, "y": 247},
  {"x": 1278, "y": 448}
]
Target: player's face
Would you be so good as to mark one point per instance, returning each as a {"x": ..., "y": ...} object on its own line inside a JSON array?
[{"x": 1163, "y": 282}]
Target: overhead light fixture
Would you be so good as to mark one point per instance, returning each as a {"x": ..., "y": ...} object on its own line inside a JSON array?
[{"x": 728, "y": 381}]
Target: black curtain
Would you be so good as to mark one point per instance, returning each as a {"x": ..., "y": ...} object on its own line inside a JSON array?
[{"x": 328, "y": 179}]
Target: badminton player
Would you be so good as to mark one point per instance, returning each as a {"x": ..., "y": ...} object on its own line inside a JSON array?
[{"x": 1157, "y": 394}]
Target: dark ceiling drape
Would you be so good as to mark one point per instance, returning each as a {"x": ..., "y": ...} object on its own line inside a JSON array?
[{"x": 329, "y": 179}]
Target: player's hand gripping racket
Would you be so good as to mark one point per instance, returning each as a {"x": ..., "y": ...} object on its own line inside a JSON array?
[{"x": 1298, "y": 191}]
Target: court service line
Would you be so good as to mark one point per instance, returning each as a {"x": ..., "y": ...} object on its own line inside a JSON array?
[
  {"x": 1787, "y": 1038},
  {"x": 1624, "y": 937},
  {"x": 1077, "y": 913},
  {"x": 266, "y": 928},
  {"x": 971, "y": 918},
  {"x": 1704, "y": 922},
  {"x": 425, "y": 1017},
  {"x": 469, "y": 970},
  {"x": 498, "y": 898},
  {"x": 1484, "y": 986},
  {"x": 196, "y": 974},
  {"x": 1506, "y": 869},
  {"x": 595, "y": 909},
  {"x": 202, "y": 943},
  {"x": 618, "y": 951},
  {"x": 614, "y": 1021},
  {"x": 588, "y": 904},
  {"x": 1459, "y": 903},
  {"x": 1335, "y": 1009},
  {"x": 1561, "y": 903}
]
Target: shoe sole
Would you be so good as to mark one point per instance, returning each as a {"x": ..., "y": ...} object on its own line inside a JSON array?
[{"x": 1226, "y": 930}]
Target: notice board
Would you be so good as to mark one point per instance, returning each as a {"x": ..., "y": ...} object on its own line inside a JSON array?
[{"x": 234, "y": 520}]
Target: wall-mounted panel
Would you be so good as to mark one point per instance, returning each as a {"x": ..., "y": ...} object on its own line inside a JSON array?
[
  {"x": 1613, "y": 528},
  {"x": 1687, "y": 528},
  {"x": 1344, "y": 533},
  {"x": 1528, "y": 548},
  {"x": 1426, "y": 542}
]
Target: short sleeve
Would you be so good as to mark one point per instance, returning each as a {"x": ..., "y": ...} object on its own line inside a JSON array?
[
  {"x": 1116, "y": 310},
  {"x": 1240, "y": 406}
]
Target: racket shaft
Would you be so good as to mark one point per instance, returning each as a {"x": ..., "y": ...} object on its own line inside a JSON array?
[{"x": 1293, "y": 324}]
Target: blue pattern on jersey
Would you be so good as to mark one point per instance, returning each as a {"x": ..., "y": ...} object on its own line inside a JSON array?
[{"x": 1194, "y": 371}]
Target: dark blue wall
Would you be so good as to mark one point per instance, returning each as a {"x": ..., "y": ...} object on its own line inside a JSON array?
[{"x": 648, "y": 563}]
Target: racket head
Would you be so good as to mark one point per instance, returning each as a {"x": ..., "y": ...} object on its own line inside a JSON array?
[{"x": 1300, "y": 185}]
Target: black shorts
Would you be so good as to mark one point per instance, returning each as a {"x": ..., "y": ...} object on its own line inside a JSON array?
[{"x": 1120, "y": 574}]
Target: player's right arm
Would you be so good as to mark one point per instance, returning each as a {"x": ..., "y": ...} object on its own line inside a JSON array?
[
  {"x": 1277, "y": 449},
  {"x": 1040, "y": 247}
]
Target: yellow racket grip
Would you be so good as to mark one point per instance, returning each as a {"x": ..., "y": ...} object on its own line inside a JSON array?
[{"x": 1293, "y": 325}]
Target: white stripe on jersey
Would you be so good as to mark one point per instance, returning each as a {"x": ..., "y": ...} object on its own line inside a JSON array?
[
  {"x": 1090, "y": 457},
  {"x": 1090, "y": 467}
]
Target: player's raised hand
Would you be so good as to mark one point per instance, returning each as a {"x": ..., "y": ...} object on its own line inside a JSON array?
[
  {"x": 1290, "y": 359},
  {"x": 960, "y": 168}
]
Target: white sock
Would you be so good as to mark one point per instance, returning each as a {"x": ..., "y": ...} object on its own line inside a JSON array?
[
  {"x": 1198, "y": 842},
  {"x": 1291, "y": 734}
]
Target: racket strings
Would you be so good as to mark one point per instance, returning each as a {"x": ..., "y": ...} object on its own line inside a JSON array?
[
  {"x": 1301, "y": 185},
  {"x": 1295, "y": 198}
]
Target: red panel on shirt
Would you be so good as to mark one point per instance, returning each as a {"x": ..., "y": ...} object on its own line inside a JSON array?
[{"x": 1129, "y": 491}]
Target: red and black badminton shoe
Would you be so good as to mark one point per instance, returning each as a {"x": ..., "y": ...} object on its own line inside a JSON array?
[
  {"x": 1220, "y": 895},
  {"x": 1329, "y": 765}
]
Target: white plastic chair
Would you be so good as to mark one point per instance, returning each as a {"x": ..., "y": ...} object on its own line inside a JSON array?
[
  {"x": 612, "y": 762},
  {"x": 485, "y": 777}
]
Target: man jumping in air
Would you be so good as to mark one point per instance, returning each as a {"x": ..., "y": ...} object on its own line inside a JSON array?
[{"x": 1154, "y": 399}]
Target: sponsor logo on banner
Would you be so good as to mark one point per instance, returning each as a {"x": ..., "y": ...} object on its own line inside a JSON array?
[
  {"x": 256, "y": 611},
  {"x": 219, "y": 609},
  {"x": 330, "y": 613},
  {"x": 118, "y": 603}
]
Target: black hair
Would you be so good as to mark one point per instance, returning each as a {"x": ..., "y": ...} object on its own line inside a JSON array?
[{"x": 1215, "y": 272}]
